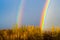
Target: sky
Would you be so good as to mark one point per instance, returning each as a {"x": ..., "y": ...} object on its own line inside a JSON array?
[
  {"x": 9, "y": 11},
  {"x": 31, "y": 14},
  {"x": 53, "y": 14}
]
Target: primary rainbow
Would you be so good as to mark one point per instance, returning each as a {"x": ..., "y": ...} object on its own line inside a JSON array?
[
  {"x": 44, "y": 14},
  {"x": 20, "y": 12}
]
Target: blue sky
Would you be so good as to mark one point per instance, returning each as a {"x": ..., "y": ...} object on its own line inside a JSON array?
[
  {"x": 31, "y": 14},
  {"x": 9, "y": 12}
]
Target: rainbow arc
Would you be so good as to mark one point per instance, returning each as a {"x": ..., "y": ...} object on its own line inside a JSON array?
[
  {"x": 20, "y": 12},
  {"x": 44, "y": 14}
]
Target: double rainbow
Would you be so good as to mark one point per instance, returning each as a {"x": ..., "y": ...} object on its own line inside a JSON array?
[
  {"x": 44, "y": 14},
  {"x": 20, "y": 12}
]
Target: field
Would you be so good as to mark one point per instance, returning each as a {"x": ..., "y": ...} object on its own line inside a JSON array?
[{"x": 28, "y": 33}]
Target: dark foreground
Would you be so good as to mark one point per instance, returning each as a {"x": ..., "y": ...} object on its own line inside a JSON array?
[{"x": 28, "y": 33}]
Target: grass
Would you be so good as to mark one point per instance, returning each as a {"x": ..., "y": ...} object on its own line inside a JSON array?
[{"x": 28, "y": 33}]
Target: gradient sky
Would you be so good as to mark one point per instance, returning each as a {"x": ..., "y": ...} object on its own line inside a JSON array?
[
  {"x": 9, "y": 11},
  {"x": 31, "y": 14}
]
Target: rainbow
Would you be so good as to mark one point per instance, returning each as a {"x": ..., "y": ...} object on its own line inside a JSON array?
[
  {"x": 20, "y": 12},
  {"x": 44, "y": 14}
]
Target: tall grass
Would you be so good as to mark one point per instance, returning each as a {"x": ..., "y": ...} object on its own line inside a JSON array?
[{"x": 29, "y": 33}]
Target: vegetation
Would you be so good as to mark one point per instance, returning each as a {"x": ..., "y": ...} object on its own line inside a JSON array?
[{"x": 29, "y": 33}]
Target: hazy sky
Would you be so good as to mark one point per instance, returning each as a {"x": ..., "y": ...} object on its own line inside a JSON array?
[
  {"x": 53, "y": 14},
  {"x": 31, "y": 14}
]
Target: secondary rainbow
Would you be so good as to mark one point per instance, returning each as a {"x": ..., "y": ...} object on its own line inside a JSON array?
[
  {"x": 20, "y": 12},
  {"x": 44, "y": 14}
]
